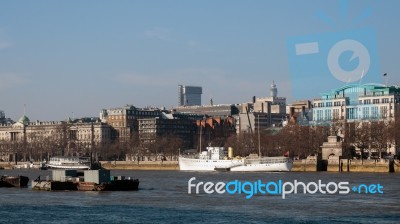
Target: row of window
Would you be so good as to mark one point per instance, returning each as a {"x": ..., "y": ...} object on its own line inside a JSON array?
[
  {"x": 366, "y": 101},
  {"x": 377, "y": 101},
  {"x": 353, "y": 113},
  {"x": 182, "y": 131},
  {"x": 134, "y": 112}
]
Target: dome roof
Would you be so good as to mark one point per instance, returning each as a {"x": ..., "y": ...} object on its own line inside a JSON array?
[{"x": 24, "y": 120}]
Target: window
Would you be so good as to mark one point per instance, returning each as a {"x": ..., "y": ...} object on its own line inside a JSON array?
[
  {"x": 374, "y": 112},
  {"x": 336, "y": 114},
  {"x": 351, "y": 113},
  {"x": 320, "y": 115},
  {"x": 384, "y": 111},
  {"x": 328, "y": 115},
  {"x": 365, "y": 113}
]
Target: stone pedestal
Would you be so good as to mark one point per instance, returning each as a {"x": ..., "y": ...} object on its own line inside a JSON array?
[
  {"x": 332, "y": 149},
  {"x": 331, "y": 152}
]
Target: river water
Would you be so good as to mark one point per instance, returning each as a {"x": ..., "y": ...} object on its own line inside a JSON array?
[{"x": 163, "y": 198}]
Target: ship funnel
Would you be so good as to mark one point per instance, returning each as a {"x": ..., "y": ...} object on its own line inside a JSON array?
[{"x": 230, "y": 152}]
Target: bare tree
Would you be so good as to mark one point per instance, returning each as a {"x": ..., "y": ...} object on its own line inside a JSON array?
[
  {"x": 243, "y": 144},
  {"x": 379, "y": 136},
  {"x": 362, "y": 137}
]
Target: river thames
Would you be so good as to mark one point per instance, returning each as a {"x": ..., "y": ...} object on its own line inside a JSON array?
[{"x": 163, "y": 198}]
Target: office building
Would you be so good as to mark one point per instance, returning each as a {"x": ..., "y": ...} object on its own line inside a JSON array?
[
  {"x": 222, "y": 110},
  {"x": 357, "y": 103},
  {"x": 189, "y": 95},
  {"x": 124, "y": 120},
  {"x": 37, "y": 140}
]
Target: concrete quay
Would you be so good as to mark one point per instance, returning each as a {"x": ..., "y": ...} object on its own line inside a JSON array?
[
  {"x": 142, "y": 165},
  {"x": 344, "y": 165},
  {"x": 305, "y": 165}
]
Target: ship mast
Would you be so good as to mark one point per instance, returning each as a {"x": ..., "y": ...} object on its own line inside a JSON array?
[
  {"x": 258, "y": 130},
  {"x": 201, "y": 130}
]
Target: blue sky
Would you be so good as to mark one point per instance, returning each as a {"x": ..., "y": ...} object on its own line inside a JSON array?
[{"x": 73, "y": 58}]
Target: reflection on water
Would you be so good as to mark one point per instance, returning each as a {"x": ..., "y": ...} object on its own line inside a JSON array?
[{"x": 163, "y": 198}]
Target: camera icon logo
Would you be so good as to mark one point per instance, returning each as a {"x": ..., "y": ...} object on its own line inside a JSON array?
[
  {"x": 322, "y": 62},
  {"x": 359, "y": 51}
]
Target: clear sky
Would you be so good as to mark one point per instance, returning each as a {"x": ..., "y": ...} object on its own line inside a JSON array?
[{"x": 73, "y": 58}]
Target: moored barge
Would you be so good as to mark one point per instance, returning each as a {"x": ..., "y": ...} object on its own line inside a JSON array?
[{"x": 92, "y": 180}]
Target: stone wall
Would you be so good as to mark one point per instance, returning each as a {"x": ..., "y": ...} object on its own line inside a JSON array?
[
  {"x": 373, "y": 166},
  {"x": 304, "y": 166}
]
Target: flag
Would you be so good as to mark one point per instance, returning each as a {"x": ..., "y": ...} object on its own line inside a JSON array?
[
  {"x": 385, "y": 74},
  {"x": 286, "y": 154}
]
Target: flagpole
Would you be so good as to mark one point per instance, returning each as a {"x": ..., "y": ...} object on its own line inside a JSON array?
[{"x": 386, "y": 78}]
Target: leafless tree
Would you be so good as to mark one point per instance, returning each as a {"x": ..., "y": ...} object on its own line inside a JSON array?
[
  {"x": 379, "y": 136},
  {"x": 362, "y": 137}
]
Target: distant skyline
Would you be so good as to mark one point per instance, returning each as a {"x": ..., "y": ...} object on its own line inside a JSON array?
[{"x": 71, "y": 59}]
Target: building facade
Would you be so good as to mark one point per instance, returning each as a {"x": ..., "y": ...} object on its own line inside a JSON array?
[
  {"x": 253, "y": 122},
  {"x": 166, "y": 126},
  {"x": 262, "y": 112},
  {"x": 357, "y": 103},
  {"x": 189, "y": 95},
  {"x": 3, "y": 119},
  {"x": 215, "y": 128},
  {"x": 26, "y": 140},
  {"x": 124, "y": 120},
  {"x": 300, "y": 112},
  {"x": 221, "y": 110}
]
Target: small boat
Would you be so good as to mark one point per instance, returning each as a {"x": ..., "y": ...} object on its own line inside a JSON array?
[
  {"x": 14, "y": 181},
  {"x": 69, "y": 163}
]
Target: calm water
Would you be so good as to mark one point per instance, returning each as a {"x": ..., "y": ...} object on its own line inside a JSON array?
[{"x": 163, "y": 198}]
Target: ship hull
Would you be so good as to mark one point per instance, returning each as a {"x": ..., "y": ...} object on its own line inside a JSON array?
[
  {"x": 264, "y": 167},
  {"x": 68, "y": 167},
  {"x": 188, "y": 164}
]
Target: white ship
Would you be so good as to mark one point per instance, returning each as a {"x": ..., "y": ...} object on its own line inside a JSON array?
[
  {"x": 67, "y": 163},
  {"x": 213, "y": 159},
  {"x": 216, "y": 158},
  {"x": 253, "y": 163}
]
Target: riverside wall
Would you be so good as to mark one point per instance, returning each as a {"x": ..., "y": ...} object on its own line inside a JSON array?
[
  {"x": 372, "y": 166},
  {"x": 305, "y": 165},
  {"x": 142, "y": 165},
  {"x": 344, "y": 165}
]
